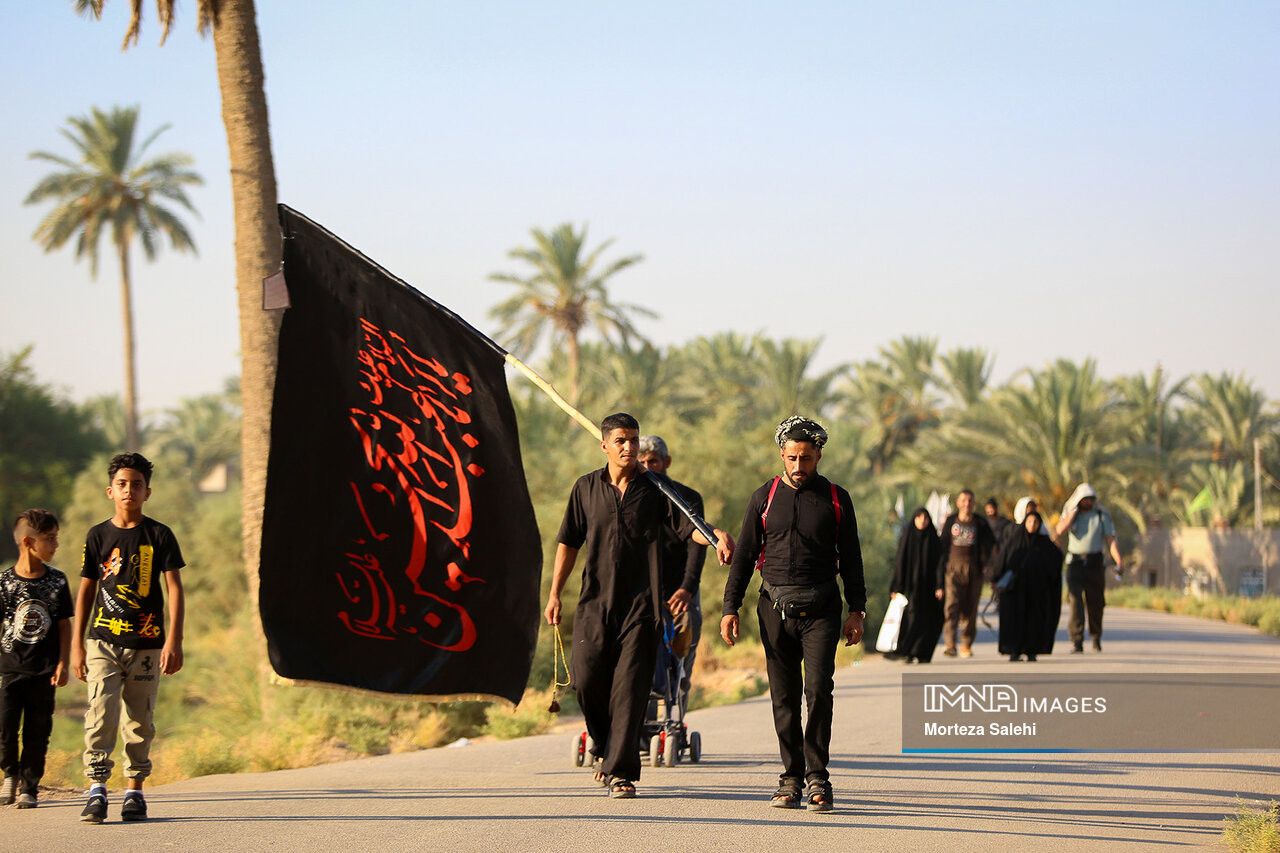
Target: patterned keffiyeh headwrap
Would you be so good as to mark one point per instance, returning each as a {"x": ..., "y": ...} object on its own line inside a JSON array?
[{"x": 797, "y": 428}]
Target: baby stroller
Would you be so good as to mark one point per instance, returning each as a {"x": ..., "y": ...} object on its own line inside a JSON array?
[{"x": 664, "y": 737}]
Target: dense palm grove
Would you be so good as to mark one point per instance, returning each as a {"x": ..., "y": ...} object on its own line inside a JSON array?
[{"x": 1160, "y": 451}]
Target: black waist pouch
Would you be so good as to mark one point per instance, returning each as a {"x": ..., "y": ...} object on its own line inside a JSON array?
[{"x": 801, "y": 602}]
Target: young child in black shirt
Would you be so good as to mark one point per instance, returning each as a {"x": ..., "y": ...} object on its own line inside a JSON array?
[
  {"x": 35, "y": 640},
  {"x": 127, "y": 559}
]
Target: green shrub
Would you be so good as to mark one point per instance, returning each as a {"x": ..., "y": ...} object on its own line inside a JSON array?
[
  {"x": 530, "y": 717},
  {"x": 1262, "y": 612},
  {"x": 1252, "y": 830},
  {"x": 1269, "y": 622},
  {"x": 207, "y": 755}
]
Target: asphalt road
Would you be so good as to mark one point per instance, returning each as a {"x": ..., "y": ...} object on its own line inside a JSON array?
[{"x": 526, "y": 794}]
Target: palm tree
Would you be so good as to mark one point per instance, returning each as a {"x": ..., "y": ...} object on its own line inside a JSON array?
[
  {"x": 564, "y": 297},
  {"x": 1157, "y": 424},
  {"x": 111, "y": 186},
  {"x": 201, "y": 433},
  {"x": 1219, "y": 493},
  {"x": 1041, "y": 434},
  {"x": 106, "y": 413},
  {"x": 893, "y": 399},
  {"x": 640, "y": 380},
  {"x": 910, "y": 363},
  {"x": 1231, "y": 413},
  {"x": 965, "y": 373},
  {"x": 786, "y": 388},
  {"x": 258, "y": 246},
  {"x": 718, "y": 372}
]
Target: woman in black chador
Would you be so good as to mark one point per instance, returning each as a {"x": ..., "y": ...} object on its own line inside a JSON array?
[
  {"x": 1031, "y": 601},
  {"x": 915, "y": 575}
]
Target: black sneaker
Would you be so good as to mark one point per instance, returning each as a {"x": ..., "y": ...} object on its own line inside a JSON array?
[
  {"x": 1097, "y": 645},
  {"x": 95, "y": 811},
  {"x": 134, "y": 808},
  {"x": 1077, "y": 649}
]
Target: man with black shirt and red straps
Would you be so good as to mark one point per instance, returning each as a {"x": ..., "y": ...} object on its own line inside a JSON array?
[{"x": 800, "y": 532}]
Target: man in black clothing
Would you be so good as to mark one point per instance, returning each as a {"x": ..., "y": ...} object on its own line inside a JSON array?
[
  {"x": 800, "y": 532},
  {"x": 681, "y": 569},
  {"x": 997, "y": 522},
  {"x": 1000, "y": 528},
  {"x": 619, "y": 516}
]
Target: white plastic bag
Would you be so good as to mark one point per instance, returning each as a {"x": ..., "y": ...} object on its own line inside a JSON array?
[{"x": 888, "y": 639}]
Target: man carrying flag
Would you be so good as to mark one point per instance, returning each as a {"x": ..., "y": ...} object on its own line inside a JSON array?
[{"x": 617, "y": 515}]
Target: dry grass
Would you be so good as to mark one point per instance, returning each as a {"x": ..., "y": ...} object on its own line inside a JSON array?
[{"x": 1252, "y": 830}]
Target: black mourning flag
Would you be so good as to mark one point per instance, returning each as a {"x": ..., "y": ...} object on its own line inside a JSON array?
[{"x": 399, "y": 547}]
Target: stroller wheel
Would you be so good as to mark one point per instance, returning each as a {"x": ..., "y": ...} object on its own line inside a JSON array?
[
  {"x": 695, "y": 747},
  {"x": 579, "y": 749},
  {"x": 670, "y": 750},
  {"x": 655, "y": 750}
]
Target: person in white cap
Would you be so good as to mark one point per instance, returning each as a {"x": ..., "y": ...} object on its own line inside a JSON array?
[{"x": 1090, "y": 530}]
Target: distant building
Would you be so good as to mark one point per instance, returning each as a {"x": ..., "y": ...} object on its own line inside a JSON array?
[{"x": 1203, "y": 561}]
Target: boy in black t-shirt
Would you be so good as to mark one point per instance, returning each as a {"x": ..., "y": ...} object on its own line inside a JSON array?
[
  {"x": 121, "y": 603},
  {"x": 35, "y": 639}
]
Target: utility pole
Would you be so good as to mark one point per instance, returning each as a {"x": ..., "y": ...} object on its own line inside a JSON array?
[{"x": 1257, "y": 484}]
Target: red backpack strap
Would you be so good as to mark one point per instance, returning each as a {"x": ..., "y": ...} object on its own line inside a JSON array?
[
  {"x": 764, "y": 521},
  {"x": 835, "y": 502}
]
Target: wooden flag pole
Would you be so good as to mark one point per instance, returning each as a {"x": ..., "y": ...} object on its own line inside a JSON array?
[
  {"x": 554, "y": 395},
  {"x": 663, "y": 483}
]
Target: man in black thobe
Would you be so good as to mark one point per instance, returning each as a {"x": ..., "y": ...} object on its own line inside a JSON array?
[
  {"x": 617, "y": 515},
  {"x": 800, "y": 532}
]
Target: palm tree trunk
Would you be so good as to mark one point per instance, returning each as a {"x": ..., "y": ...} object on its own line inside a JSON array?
[
  {"x": 130, "y": 369},
  {"x": 575, "y": 358},
  {"x": 258, "y": 253}
]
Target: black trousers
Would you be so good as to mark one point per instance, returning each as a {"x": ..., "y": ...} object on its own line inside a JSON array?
[
  {"x": 613, "y": 658},
  {"x": 800, "y": 655},
  {"x": 1086, "y": 588},
  {"x": 26, "y": 702}
]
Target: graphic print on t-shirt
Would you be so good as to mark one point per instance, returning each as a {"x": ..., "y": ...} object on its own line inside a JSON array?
[
  {"x": 112, "y": 565},
  {"x": 126, "y": 593},
  {"x": 963, "y": 534},
  {"x": 29, "y": 609},
  {"x": 129, "y": 606},
  {"x": 31, "y": 622}
]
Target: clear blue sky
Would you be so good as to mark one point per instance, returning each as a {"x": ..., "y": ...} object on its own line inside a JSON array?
[{"x": 1041, "y": 179}]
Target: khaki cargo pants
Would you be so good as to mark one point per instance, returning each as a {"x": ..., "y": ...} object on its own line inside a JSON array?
[{"x": 125, "y": 680}]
